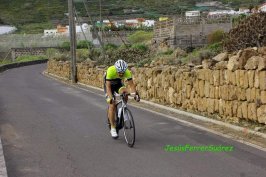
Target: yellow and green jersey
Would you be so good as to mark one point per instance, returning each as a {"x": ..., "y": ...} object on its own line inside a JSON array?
[{"x": 112, "y": 75}]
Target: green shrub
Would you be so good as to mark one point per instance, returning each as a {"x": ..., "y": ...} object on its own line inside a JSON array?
[
  {"x": 82, "y": 54},
  {"x": 205, "y": 54},
  {"x": 124, "y": 46},
  {"x": 140, "y": 36},
  {"x": 216, "y": 47},
  {"x": 84, "y": 44},
  {"x": 215, "y": 37},
  {"x": 141, "y": 47},
  {"x": 61, "y": 56},
  {"x": 51, "y": 52},
  {"x": 110, "y": 46},
  {"x": 66, "y": 45},
  {"x": 94, "y": 54},
  {"x": 141, "y": 63},
  {"x": 168, "y": 52}
]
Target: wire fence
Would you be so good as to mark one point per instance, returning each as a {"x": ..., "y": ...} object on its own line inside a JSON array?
[{"x": 29, "y": 40}]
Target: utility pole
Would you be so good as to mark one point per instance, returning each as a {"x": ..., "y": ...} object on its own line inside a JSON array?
[{"x": 73, "y": 42}]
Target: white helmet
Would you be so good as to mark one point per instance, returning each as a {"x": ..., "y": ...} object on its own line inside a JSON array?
[{"x": 121, "y": 66}]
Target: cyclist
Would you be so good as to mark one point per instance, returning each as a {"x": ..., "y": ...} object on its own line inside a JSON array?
[{"x": 113, "y": 82}]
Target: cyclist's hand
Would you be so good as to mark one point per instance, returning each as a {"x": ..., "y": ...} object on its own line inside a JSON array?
[
  {"x": 136, "y": 96},
  {"x": 109, "y": 100}
]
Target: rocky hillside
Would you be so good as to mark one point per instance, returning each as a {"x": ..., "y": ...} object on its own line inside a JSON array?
[{"x": 251, "y": 32}]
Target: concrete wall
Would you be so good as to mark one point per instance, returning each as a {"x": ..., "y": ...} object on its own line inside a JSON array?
[
  {"x": 229, "y": 93},
  {"x": 177, "y": 30},
  {"x": 16, "y": 52}
]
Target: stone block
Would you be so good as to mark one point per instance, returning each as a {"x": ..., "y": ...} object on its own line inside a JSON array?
[
  {"x": 233, "y": 63},
  {"x": 232, "y": 93},
  {"x": 252, "y": 111},
  {"x": 262, "y": 63},
  {"x": 245, "y": 55},
  {"x": 257, "y": 80},
  {"x": 188, "y": 90},
  {"x": 216, "y": 105},
  {"x": 221, "y": 57},
  {"x": 248, "y": 95},
  {"x": 241, "y": 94},
  {"x": 212, "y": 92},
  {"x": 210, "y": 106},
  {"x": 217, "y": 93},
  {"x": 261, "y": 114},
  {"x": 216, "y": 78},
  {"x": 232, "y": 77},
  {"x": 263, "y": 97},
  {"x": 239, "y": 110},
  {"x": 252, "y": 63},
  {"x": 221, "y": 106},
  {"x": 234, "y": 108},
  {"x": 251, "y": 75},
  {"x": 243, "y": 79},
  {"x": 228, "y": 108},
  {"x": 207, "y": 89},
  {"x": 262, "y": 80},
  {"x": 237, "y": 74},
  {"x": 201, "y": 88},
  {"x": 244, "y": 109}
]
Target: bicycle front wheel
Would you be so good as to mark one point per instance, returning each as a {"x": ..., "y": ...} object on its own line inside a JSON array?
[{"x": 129, "y": 127}]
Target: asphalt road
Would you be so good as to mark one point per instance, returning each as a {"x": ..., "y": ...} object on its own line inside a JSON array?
[{"x": 50, "y": 129}]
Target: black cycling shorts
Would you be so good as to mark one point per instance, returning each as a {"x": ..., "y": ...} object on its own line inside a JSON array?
[{"x": 115, "y": 86}]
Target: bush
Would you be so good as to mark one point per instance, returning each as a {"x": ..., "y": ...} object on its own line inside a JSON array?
[
  {"x": 51, "y": 52},
  {"x": 110, "y": 46},
  {"x": 141, "y": 47},
  {"x": 82, "y": 54},
  {"x": 84, "y": 44},
  {"x": 168, "y": 52},
  {"x": 140, "y": 37},
  {"x": 216, "y": 47},
  {"x": 66, "y": 45},
  {"x": 94, "y": 54},
  {"x": 215, "y": 37},
  {"x": 141, "y": 63}
]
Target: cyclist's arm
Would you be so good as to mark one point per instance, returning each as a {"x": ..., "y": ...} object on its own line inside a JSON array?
[
  {"x": 108, "y": 89},
  {"x": 132, "y": 86}
]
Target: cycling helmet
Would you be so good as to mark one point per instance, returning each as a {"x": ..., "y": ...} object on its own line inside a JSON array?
[{"x": 121, "y": 66}]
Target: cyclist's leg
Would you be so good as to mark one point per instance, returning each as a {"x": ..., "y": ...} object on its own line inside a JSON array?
[{"x": 112, "y": 109}]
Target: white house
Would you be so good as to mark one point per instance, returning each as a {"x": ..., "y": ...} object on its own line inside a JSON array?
[
  {"x": 191, "y": 14},
  {"x": 262, "y": 8},
  {"x": 56, "y": 32},
  {"x": 148, "y": 23},
  {"x": 51, "y": 32},
  {"x": 222, "y": 12}
]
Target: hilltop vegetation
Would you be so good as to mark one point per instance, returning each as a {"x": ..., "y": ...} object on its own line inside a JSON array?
[{"x": 23, "y": 13}]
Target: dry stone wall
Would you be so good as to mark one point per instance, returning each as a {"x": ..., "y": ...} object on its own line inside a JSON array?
[{"x": 233, "y": 87}]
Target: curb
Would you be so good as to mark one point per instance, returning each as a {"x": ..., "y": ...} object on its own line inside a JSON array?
[
  {"x": 20, "y": 64},
  {"x": 3, "y": 172}
]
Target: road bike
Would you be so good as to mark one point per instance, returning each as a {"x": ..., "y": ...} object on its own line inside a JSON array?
[{"x": 124, "y": 119}]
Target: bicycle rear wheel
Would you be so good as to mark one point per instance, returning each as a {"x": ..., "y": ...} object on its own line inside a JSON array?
[{"x": 129, "y": 127}]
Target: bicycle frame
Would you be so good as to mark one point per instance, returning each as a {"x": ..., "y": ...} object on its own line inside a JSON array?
[{"x": 123, "y": 105}]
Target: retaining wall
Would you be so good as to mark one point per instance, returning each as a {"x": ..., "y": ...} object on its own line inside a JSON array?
[{"x": 229, "y": 93}]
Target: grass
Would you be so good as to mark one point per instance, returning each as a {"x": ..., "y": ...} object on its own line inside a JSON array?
[{"x": 22, "y": 59}]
